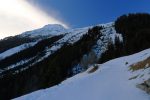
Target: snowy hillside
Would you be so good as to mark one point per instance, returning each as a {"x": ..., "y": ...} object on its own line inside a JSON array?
[{"x": 111, "y": 81}]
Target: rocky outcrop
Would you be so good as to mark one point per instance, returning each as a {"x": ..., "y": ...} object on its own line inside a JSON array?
[{"x": 145, "y": 86}]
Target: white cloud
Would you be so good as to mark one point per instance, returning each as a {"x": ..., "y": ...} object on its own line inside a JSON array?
[{"x": 17, "y": 16}]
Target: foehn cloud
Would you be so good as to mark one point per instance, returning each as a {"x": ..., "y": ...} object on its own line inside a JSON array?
[{"x": 17, "y": 16}]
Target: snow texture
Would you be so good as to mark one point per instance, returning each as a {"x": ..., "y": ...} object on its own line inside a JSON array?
[{"x": 109, "y": 82}]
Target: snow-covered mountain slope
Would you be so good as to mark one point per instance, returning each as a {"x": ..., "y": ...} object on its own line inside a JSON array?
[
  {"x": 111, "y": 81},
  {"x": 47, "y": 30},
  {"x": 71, "y": 36}
]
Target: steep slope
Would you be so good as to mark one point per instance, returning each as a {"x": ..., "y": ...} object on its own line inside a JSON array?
[
  {"x": 71, "y": 37},
  {"x": 31, "y": 36},
  {"x": 110, "y": 82}
]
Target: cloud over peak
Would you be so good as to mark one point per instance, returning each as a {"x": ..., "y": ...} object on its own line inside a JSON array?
[{"x": 17, "y": 16}]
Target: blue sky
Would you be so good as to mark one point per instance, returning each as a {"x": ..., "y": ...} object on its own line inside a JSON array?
[
  {"x": 80, "y": 13},
  {"x": 17, "y": 16}
]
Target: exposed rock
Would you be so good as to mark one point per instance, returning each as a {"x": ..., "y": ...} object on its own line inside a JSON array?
[
  {"x": 145, "y": 86},
  {"x": 148, "y": 82},
  {"x": 95, "y": 67}
]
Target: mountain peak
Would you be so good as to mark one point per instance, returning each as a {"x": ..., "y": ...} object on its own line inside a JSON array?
[
  {"x": 47, "y": 30},
  {"x": 55, "y": 26}
]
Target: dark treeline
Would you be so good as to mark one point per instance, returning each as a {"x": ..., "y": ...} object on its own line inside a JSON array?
[
  {"x": 11, "y": 42},
  {"x": 51, "y": 71},
  {"x": 135, "y": 29},
  {"x": 29, "y": 52},
  {"x": 114, "y": 50}
]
